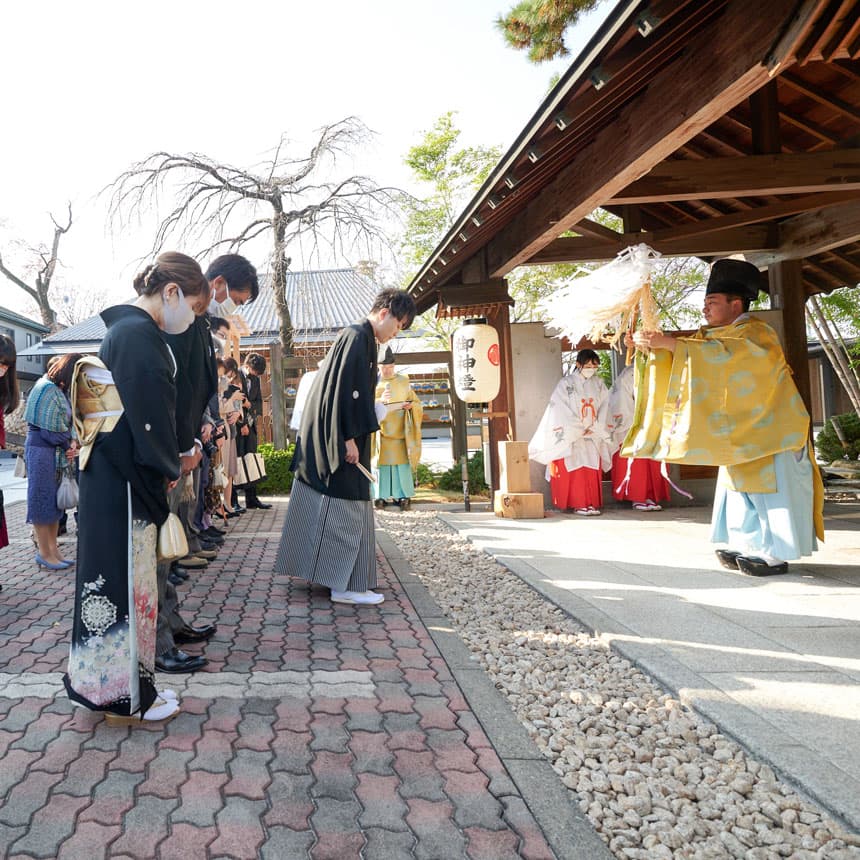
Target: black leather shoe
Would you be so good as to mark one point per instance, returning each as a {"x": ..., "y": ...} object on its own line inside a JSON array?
[
  {"x": 173, "y": 579},
  {"x": 210, "y": 542},
  {"x": 256, "y": 503},
  {"x": 728, "y": 558},
  {"x": 181, "y": 572},
  {"x": 174, "y": 661},
  {"x": 752, "y": 566},
  {"x": 238, "y": 509},
  {"x": 194, "y": 634},
  {"x": 233, "y": 514},
  {"x": 213, "y": 532}
]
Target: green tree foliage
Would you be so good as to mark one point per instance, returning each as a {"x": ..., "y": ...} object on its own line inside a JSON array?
[
  {"x": 842, "y": 308},
  {"x": 538, "y": 26},
  {"x": 830, "y": 447}
]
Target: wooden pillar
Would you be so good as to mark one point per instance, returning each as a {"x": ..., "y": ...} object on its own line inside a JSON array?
[
  {"x": 787, "y": 294},
  {"x": 502, "y": 425},
  {"x": 764, "y": 115},
  {"x": 279, "y": 423}
]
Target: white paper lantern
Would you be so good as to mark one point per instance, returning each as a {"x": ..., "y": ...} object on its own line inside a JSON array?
[{"x": 476, "y": 358}]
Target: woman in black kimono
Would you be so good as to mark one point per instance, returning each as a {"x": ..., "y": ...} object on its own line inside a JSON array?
[{"x": 124, "y": 407}]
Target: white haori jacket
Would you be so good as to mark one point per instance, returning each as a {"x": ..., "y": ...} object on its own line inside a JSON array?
[{"x": 574, "y": 425}]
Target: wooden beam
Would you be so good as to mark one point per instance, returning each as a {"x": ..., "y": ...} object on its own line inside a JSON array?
[
  {"x": 814, "y": 233},
  {"x": 826, "y": 99},
  {"x": 751, "y": 175},
  {"x": 587, "y": 227},
  {"x": 733, "y": 241},
  {"x": 678, "y": 103},
  {"x": 788, "y": 294}
]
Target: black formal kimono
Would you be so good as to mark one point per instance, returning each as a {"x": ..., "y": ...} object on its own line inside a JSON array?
[
  {"x": 328, "y": 534},
  {"x": 122, "y": 503}
]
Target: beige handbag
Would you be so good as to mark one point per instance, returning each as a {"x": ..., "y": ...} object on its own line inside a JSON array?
[
  {"x": 172, "y": 543},
  {"x": 20, "y": 466}
]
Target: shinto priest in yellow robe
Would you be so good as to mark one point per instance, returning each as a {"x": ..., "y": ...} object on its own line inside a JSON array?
[{"x": 726, "y": 398}]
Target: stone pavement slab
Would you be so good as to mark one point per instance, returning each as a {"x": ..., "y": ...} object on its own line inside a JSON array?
[
  {"x": 774, "y": 662},
  {"x": 317, "y": 730}
]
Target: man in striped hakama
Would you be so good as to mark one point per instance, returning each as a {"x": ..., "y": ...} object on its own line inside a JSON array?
[{"x": 328, "y": 534}]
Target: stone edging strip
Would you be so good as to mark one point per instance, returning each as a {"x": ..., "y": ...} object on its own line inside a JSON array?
[{"x": 564, "y": 825}]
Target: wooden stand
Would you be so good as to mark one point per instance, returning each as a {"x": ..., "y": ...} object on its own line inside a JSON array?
[{"x": 515, "y": 500}]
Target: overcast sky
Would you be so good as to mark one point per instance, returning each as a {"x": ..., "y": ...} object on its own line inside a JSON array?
[{"x": 89, "y": 88}]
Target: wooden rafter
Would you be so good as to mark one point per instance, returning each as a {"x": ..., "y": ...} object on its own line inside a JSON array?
[
  {"x": 782, "y": 173},
  {"x": 836, "y": 104}
]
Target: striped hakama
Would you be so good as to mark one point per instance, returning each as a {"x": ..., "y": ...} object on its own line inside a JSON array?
[{"x": 328, "y": 540}]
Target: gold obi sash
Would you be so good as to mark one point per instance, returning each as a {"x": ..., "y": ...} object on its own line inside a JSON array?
[{"x": 96, "y": 405}]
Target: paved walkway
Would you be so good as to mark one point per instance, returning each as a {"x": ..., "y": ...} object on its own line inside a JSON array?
[
  {"x": 774, "y": 662},
  {"x": 317, "y": 730}
]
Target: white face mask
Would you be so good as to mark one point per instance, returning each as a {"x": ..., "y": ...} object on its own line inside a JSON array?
[
  {"x": 588, "y": 372},
  {"x": 178, "y": 316},
  {"x": 228, "y": 306}
]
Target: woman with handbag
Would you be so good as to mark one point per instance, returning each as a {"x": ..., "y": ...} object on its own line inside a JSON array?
[
  {"x": 48, "y": 449},
  {"x": 125, "y": 411},
  {"x": 8, "y": 404}
]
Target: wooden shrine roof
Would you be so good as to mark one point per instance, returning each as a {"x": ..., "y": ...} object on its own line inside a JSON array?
[{"x": 712, "y": 127}]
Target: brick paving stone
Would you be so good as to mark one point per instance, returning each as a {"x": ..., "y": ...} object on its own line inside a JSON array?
[
  {"x": 385, "y": 845},
  {"x": 418, "y": 775},
  {"x": 364, "y": 715},
  {"x": 533, "y": 845},
  {"x": 475, "y": 735},
  {"x": 433, "y": 825},
  {"x": 6, "y": 740},
  {"x": 136, "y": 751},
  {"x": 249, "y": 774},
  {"x": 355, "y": 660},
  {"x": 9, "y": 835},
  {"x": 334, "y": 705},
  {"x": 240, "y": 830},
  {"x": 412, "y": 658},
  {"x": 335, "y": 823},
  {"x": 293, "y": 715},
  {"x": 393, "y": 697},
  {"x": 370, "y": 753},
  {"x": 289, "y": 802},
  {"x": 404, "y": 732},
  {"x": 50, "y": 826},
  {"x": 84, "y": 773},
  {"x": 474, "y": 806},
  {"x": 102, "y": 736},
  {"x": 26, "y": 797},
  {"x": 188, "y": 842},
  {"x": 450, "y": 750},
  {"x": 166, "y": 773},
  {"x": 452, "y": 692},
  {"x": 492, "y": 844},
  {"x": 386, "y": 670},
  {"x": 382, "y": 805},
  {"x": 255, "y": 731},
  {"x": 329, "y": 732},
  {"x": 422, "y": 682},
  {"x": 334, "y": 776},
  {"x": 379, "y": 649},
  {"x": 491, "y": 765},
  {"x": 90, "y": 841},
  {"x": 435, "y": 713},
  {"x": 200, "y": 799},
  {"x": 184, "y": 731},
  {"x": 285, "y": 844},
  {"x": 292, "y": 752},
  {"x": 213, "y": 751},
  {"x": 113, "y": 797},
  {"x": 13, "y": 766},
  {"x": 23, "y": 713},
  {"x": 145, "y": 824}
]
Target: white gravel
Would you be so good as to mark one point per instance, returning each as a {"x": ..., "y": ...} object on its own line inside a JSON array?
[{"x": 655, "y": 779}]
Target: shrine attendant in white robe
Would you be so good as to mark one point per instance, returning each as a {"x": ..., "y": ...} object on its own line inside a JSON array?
[
  {"x": 572, "y": 438},
  {"x": 639, "y": 481}
]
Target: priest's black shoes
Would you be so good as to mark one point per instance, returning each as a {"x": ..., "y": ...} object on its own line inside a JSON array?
[
  {"x": 728, "y": 558},
  {"x": 753, "y": 566},
  {"x": 175, "y": 661},
  {"x": 256, "y": 503},
  {"x": 193, "y": 634}
]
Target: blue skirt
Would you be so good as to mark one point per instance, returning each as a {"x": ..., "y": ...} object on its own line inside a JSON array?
[
  {"x": 42, "y": 484},
  {"x": 394, "y": 482}
]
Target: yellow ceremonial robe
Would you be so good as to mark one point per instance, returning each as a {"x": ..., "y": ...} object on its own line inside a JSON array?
[
  {"x": 726, "y": 398},
  {"x": 399, "y": 439}
]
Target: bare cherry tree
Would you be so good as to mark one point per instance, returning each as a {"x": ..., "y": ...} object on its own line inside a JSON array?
[
  {"x": 41, "y": 270},
  {"x": 299, "y": 201}
]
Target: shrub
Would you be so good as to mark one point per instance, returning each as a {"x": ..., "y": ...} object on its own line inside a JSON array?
[
  {"x": 426, "y": 477},
  {"x": 279, "y": 478},
  {"x": 827, "y": 442},
  {"x": 452, "y": 479}
]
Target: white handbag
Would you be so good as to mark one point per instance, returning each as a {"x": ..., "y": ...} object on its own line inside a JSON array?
[{"x": 20, "y": 466}]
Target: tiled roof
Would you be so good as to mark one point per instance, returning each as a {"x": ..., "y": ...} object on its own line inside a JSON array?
[
  {"x": 320, "y": 302},
  {"x": 25, "y": 322}
]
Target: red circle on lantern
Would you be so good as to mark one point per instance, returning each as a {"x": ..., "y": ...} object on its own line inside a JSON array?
[{"x": 493, "y": 354}]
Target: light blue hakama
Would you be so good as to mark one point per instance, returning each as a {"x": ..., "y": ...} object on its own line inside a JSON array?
[
  {"x": 777, "y": 524},
  {"x": 394, "y": 482}
]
